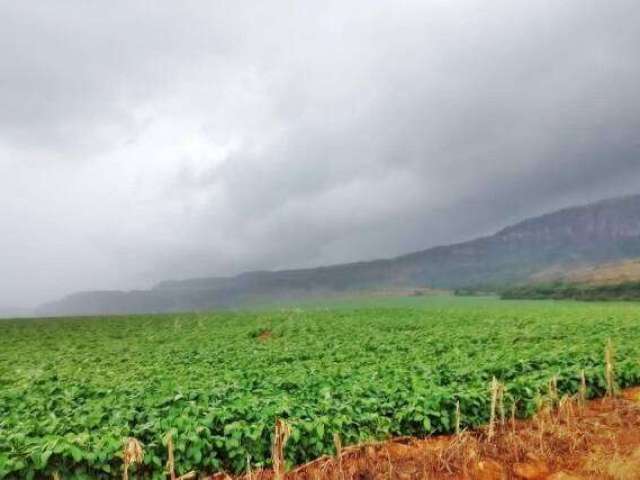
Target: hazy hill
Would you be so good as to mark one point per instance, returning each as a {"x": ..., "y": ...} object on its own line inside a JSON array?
[{"x": 601, "y": 232}]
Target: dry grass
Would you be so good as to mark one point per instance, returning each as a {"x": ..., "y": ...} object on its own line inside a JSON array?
[
  {"x": 603, "y": 274},
  {"x": 337, "y": 442},
  {"x": 609, "y": 370},
  {"x": 282, "y": 433},
  {"x": 170, "y": 467},
  {"x": 170, "y": 460},
  {"x": 582, "y": 391},
  {"x": 599, "y": 439},
  {"x": 497, "y": 406},
  {"x": 609, "y": 273},
  {"x": 131, "y": 454}
]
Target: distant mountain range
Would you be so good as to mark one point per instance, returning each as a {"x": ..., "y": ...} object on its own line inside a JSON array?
[{"x": 601, "y": 232}]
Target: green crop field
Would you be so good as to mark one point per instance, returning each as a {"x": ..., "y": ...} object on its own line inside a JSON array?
[{"x": 72, "y": 389}]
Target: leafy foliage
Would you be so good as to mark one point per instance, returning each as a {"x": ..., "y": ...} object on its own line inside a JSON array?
[
  {"x": 71, "y": 390},
  {"x": 626, "y": 291}
]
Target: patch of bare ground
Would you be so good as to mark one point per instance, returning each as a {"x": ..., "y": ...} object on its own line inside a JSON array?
[
  {"x": 265, "y": 335},
  {"x": 572, "y": 440}
]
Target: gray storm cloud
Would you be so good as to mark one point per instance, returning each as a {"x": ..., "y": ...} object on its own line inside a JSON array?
[{"x": 141, "y": 141}]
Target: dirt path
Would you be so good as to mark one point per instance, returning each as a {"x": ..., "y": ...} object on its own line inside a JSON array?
[{"x": 597, "y": 440}]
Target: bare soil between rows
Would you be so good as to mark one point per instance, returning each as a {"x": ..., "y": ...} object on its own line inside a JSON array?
[{"x": 599, "y": 439}]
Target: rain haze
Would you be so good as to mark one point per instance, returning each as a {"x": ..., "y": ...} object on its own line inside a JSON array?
[{"x": 145, "y": 141}]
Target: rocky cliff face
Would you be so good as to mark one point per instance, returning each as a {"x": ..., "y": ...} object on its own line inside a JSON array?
[
  {"x": 600, "y": 232},
  {"x": 609, "y": 220},
  {"x": 604, "y": 231}
]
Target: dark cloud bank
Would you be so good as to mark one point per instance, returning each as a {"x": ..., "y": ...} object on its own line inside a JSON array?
[{"x": 141, "y": 141}]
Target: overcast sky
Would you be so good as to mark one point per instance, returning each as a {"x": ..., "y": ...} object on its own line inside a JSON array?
[{"x": 151, "y": 140}]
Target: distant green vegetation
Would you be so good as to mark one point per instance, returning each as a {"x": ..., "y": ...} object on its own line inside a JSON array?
[
  {"x": 574, "y": 291},
  {"x": 72, "y": 389},
  {"x": 476, "y": 291}
]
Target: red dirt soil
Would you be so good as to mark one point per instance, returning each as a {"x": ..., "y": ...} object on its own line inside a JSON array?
[{"x": 597, "y": 440}]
